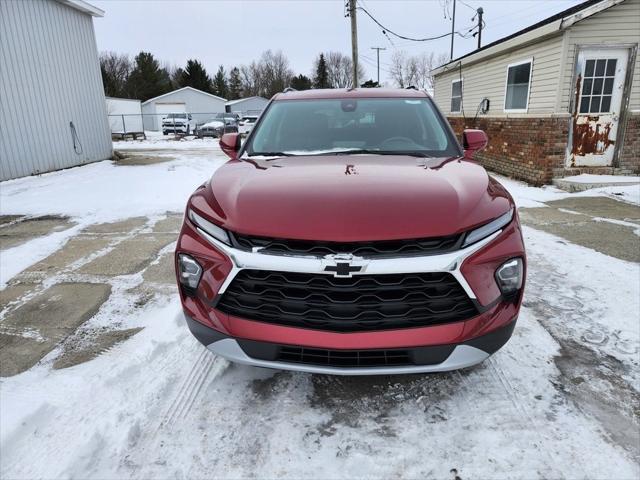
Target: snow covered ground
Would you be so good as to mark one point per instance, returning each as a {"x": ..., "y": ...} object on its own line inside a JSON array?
[{"x": 560, "y": 400}]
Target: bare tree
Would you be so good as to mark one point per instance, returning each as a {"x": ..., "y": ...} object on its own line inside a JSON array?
[
  {"x": 115, "y": 70},
  {"x": 415, "y": 70},
  {"x": 266, "y": 77},
  {"x": 339, "y": 67}
]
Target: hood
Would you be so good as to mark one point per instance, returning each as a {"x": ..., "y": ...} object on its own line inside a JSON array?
[
  {"x": 213, "y": 124},
  {"x": 351, "y": 198}
]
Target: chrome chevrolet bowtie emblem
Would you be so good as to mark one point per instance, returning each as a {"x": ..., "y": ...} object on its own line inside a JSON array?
[{"x": 343, "y": 265}]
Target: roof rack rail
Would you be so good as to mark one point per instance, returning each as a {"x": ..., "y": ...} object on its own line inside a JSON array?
[
  {"x": 289, "y": 89},
  {"x": 411, "y": 87}
]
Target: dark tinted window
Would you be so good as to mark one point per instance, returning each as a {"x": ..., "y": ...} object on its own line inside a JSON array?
[{"x": 384, "y": 125}]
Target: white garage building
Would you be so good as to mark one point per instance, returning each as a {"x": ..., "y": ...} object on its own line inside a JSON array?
[
  {"x": 52, "y": 105},
  {"x": 201, "y": 105},
  {"x": 247, "y": 106}
]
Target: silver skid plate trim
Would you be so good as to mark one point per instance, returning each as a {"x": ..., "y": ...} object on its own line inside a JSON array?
[{"x": 461, "y": 357}]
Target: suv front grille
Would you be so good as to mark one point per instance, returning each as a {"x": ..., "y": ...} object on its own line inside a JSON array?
[
  {"x": 359, "y": 303},
  {"x": 383, "y": 248}
]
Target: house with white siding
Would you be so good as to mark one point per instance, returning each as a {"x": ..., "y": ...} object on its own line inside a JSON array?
[
  {"x": 201, "y": 105},
  {"x": 52, "y": 106},
  {"x": 558, "y": 98},
  {"x": 247, "y": 106}
]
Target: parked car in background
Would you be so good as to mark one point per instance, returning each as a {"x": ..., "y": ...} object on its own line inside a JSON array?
[
  {"x": 352, "y": 234},
  {"x": 178, "y": 123},
  {"x": 246, "y": 124},
  {"x": 216, "y": 127}
]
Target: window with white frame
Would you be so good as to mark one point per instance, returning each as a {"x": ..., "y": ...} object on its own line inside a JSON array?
[
  {"x": 518, "y": 86},
  {"x": 456, "y": 96}
]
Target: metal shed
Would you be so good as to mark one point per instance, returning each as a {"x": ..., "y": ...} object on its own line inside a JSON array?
[
  {"x": 247, "y": 106},
  {"x": 52, "y": 105},
  {"x": 201, "y": 105}
]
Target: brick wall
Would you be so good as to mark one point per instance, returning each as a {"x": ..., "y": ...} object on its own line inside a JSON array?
[
  {"x": 528, "y": 149},
  {"x": 629, "y": 156},
  {"x": 534, "y": 149}
]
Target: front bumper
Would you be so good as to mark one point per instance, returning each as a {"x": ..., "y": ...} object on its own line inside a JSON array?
[
  {"x": 174, "y": 128},
  {"x": 437, "y": 358},
  {"x": 473, "y": 267}
]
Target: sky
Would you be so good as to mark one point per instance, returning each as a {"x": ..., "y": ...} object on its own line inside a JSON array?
[{"x": 230, "y": 33}]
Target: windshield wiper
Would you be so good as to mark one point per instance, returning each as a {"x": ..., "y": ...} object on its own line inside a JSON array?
[
  {"x": 269, "y": 154},
  {"x": 364, "y": 151}
]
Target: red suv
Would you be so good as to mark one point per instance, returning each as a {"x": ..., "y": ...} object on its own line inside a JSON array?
[{"x": 352, "y": 234}]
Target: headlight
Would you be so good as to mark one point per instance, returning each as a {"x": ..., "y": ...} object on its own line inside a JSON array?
[
  {"x": 485, "y": 230},
  {"x": 209, "y": 228},
  {"x": 190, "y": 271},
  {"x": 509, "y": 276}
]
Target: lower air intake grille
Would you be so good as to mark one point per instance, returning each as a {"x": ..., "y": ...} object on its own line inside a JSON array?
[
  {"x": 360, "y": 303},
  {"x": 344, "y": 358}
]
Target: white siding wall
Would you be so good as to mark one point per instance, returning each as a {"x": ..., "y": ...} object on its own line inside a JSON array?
[
  {"x": 252, "y": 105},
  {"x": 487, "y": 78},
  {"x": 49, "y": 76},
  {"x": 553, "y": 66},
  {"x": 615, "y": 26},
  {"x": 200, "y": 105}
]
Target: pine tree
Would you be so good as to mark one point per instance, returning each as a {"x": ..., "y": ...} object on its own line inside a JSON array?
[
  {"x": 235, "y": 84},
  {"x": 196, "y": 76},
  {"x": 147, "y": 79},
  {"x": 220, "y": 85},
  {"x": 321, "y": 79},
  {"x": 301, "y": 82}
]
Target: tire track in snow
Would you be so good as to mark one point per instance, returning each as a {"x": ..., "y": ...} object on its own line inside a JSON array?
[{"x": 191, "y": 387}]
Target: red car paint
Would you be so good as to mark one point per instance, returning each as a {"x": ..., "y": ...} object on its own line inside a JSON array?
[{"x": 353, "y": 199}]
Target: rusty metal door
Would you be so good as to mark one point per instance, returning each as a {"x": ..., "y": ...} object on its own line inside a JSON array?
[{"x": 600, "y": 77}]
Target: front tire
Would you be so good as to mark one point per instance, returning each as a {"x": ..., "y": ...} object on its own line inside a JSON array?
[{"x": 164, "y": 132}]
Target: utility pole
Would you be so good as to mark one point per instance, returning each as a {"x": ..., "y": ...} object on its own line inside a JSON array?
[
  {"x": 453, "y": 27},
  {"x": 354, "y": 41},
  {"x": 377, "y": 49},
  {"x": 480, "y": 12}
]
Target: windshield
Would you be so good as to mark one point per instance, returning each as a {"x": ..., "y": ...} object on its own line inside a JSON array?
[
  {"x": 176, "y": 115},
  {"x": 366, "y": 125}
]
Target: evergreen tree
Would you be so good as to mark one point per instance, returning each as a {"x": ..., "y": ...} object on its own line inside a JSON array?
[
  {"x": 301, "y": 82},
  {"x": 196, "y": 76},
  {"x": 220, "y": 85},
  {"x": 147, "y": 79},
  {"x": 321, "y": 80},
  {"x": 176, "y": 78},
  {"x": 235, "y": 84}
]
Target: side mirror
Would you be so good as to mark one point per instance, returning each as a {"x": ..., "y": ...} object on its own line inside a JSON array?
[
  {"x": 230, "y": 144},
  {"x": 473, "y": 141}
]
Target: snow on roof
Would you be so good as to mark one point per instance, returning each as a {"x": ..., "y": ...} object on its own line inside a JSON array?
[
  {"x": 179, "y": 90},
  {"x": 84, "y": 7},
  {"x": 240, "y": 100}
]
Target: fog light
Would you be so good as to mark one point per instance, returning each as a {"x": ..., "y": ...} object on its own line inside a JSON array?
[
  {"x": 509, "y": 276},
  {"x": 190, "y": 271}
]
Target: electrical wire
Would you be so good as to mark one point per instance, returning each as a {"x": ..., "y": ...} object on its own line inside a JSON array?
[
  {"x": 403, "y": 37},
  {"x": 77, "y": 146}
]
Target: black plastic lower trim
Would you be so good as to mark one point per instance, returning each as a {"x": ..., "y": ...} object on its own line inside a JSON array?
[
  {"x": 203, "y": 334},
  {"x": 429, "y": 355}
]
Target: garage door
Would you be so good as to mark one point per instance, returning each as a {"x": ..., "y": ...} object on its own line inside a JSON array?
[{"x": 163, "y": 109}]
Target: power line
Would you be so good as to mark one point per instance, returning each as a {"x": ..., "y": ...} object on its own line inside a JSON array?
[{"x": 403, "y": 37}]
